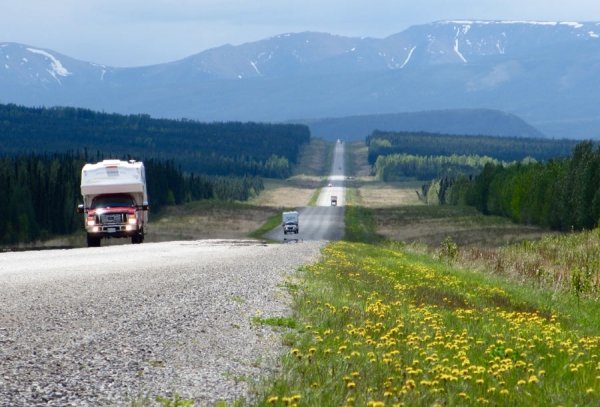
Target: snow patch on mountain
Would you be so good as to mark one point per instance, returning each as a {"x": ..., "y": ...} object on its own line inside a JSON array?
[
  {"x": 573, "y": 24},
  {"x": 408, "y": 57},
  {"x": 57, "y": 68},
  {"x": 457, "y": 51},
  {"x": 255, "y": 68}
]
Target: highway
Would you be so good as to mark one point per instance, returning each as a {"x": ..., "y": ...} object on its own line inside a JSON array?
[{"x": 323, "y": 221}]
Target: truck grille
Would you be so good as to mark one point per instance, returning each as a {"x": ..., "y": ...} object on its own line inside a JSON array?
[{"x": 109, "y": 218}]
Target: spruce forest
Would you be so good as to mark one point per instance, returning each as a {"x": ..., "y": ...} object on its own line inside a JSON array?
[
  {"x": 433, "y": 144},
  {"x": 45, "y": 149},
  {"x": 551, "y": 183},
  {"x": 231, "y": 148},
  {"x": 562, "y": 194},
  {"x": 27, "y": 182}
]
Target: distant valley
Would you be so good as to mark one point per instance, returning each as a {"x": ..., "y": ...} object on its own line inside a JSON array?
[{"x": 541, "y": 72}]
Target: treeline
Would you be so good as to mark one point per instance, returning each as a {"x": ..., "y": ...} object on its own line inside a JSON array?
[
  {"x": 563, "y": 194},
  {"x": 40, "y": 192},
  {"x": 432, "y": 144},
  {"x": 396, "y": 166},
  {"x": 254, "y": 149}
]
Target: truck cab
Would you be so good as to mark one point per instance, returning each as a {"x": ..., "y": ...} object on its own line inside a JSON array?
[{"x": 113, "y": 215}]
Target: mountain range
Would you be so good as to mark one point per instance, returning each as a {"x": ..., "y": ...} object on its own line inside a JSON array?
[{"x": 544, "y": 72}]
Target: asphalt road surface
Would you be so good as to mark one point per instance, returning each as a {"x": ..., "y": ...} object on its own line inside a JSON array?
[{"x": 324, "y": 221}]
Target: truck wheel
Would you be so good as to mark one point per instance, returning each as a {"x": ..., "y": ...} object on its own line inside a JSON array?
[
  {"x": 138, "y": 237},
  {"x": 93, "y": 241}
]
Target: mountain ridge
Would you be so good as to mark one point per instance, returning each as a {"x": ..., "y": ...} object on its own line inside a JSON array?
[
  {"x": 472, "y": 122},
  {"x": 539, "y": 71}
]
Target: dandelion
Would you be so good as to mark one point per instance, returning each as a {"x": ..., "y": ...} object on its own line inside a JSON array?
[
  {"x": 272, "y": 400},
  {"x": 533, "y": 379},
  {"x": 350, "y": 385}
]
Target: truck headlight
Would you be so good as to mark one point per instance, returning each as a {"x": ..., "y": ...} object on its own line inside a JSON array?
[{"x": 132, "y": 220}]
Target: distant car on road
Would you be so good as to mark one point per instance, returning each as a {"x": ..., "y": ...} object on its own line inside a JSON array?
[{"x": 330, "y": 184}]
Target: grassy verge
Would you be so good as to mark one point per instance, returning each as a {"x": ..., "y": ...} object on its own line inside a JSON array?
[
  {"x": 565, "y": 263},
  {"x": 380, "y": 326},
  {"x": 315, "y": 196},
  {"x": 349, "y": 166},
  {"x": 271, "y": 223},
  {"x": 359, "y": 221}
]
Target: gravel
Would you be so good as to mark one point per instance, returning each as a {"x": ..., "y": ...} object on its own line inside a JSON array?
[{"x": 113, "y": 325}]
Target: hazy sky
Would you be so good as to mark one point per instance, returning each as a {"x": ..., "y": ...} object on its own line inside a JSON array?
[{"x": 142, "y": 32}]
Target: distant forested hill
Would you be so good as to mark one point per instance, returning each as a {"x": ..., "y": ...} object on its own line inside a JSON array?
[
  {"x": 432, "y": 144},
  {"x": 472, "y": 122},
  {"x": 232, "y": 148}
]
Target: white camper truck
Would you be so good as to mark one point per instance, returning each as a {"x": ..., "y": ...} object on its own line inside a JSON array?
[
  {"x": 115, "y": 200},
  {"x": 290, "y": 222}
]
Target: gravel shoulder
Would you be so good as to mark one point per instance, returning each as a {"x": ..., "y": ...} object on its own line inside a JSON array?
[{"x": 108, "y": 325}]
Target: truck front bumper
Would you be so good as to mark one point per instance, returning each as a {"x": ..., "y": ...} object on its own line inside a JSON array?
[{"x": 113, "y": 230}]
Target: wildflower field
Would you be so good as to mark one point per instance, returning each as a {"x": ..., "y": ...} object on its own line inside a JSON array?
[{"x": 378, "y": 326}]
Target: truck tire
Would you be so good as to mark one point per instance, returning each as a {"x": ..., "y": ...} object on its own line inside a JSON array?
[
  {"x": 138, "y": 237},
  {"x": 93, "y": 241}
]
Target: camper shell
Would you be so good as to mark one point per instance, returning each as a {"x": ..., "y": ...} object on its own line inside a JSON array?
[
  {"x": 115, "y": 200},
  {"x": 290, "y": 222}
]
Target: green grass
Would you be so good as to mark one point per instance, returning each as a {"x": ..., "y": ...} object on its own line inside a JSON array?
[
  {"x": 381, "y": 326},
  {"x": 315, "y": 196},
  {"x": 359, "y": 221},
  {"x": 282, "y": 322},
  {"x": 271, "y": 223}
]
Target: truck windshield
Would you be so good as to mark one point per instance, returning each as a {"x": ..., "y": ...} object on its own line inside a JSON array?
[{"x": 111, "y": 201}]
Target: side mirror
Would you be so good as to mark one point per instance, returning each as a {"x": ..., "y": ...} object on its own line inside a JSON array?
[
  {"x": 80, "y": 208},
  {"x": 145, "y": 206}
]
